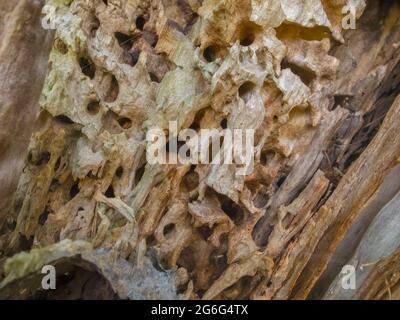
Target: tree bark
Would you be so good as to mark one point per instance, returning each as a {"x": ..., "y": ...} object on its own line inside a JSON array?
[{"x": 24, "y": 51}]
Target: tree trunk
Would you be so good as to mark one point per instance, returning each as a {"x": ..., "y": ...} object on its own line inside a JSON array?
[{"x": 317, "y": 209}]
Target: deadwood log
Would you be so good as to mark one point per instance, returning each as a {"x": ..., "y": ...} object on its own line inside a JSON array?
[{"x": 324, "y": 191}]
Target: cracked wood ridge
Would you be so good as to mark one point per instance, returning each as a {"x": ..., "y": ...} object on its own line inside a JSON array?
[{"x": 76, "y": 190}]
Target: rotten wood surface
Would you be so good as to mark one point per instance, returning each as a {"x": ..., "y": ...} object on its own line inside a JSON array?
[{"x": 324, "y": 103}]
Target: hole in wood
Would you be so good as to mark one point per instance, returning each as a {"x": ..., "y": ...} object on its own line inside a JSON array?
[
  {"x": 306, "y": 76},
  {"x": 57, "y": 164},
  {"x": 191, "y": 180},
  {"x": 140, "y": 22},
  {"x": 247, "y": 39},
  {"x": 43, "y": 217},
  {"x": 168, "y": 229},
  {"x": 39, "y": 160},
  {"x": 233, "y": 210},
  {"x": 281, "y": 181},
  {"x": 224, "y": 123},
  {"x": 93, "y": 107},
  {"x": 94, "y": 26},
  {"x": 205, "y": 232},
  {"x": 63, "y": 119},
  {"x": 139, "y": 174},
  {"x": 153, "y": 77},
  {"x": 125, "y": 123},
  {"x": 245, "y": 89},
  {"x": 119, "y": 172},
  {"x": 110, "y": 192},
  {"x": 87, "y": 66},
  {"x": 211, "y": 53},
  {"x": 267, "y": 156},
  {"x": 134, "y": 57},
  {"x": 125, "y": 41},
  {"x": 25, "y": 243},
  {"x": 74, "y": 190},
  {"x": 113, "y": 90},
  {"x": 247, "y": 32}
]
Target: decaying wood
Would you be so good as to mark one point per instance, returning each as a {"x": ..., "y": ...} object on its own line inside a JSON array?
[
  {"x": 24, "y": 50},
  {"x": 324, "y": 105}
]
